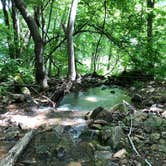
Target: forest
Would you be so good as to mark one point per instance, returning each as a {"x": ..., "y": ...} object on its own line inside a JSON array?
[{"x": 82, "y": 82}]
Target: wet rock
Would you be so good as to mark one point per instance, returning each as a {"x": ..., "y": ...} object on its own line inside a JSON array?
[
  {"x": 103, "y": 155},
  {"x": 137, "y": 98},
  {"x": 120, "y": 154}
]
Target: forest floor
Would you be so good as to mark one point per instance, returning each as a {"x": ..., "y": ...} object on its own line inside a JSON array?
[{"x": 128, "y": 134}]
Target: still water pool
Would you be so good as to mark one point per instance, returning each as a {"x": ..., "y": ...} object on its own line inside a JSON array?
[{"x": 93, "y": 97}]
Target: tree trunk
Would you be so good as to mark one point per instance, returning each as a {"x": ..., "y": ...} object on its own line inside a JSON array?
[
  {"x": 150, "y": 16},
  {"x": 16, "y": 30},
  {"x": 7, "y": 23},
  {"x": 70, "y": 30},
  {"x": 40, "y": 71}
]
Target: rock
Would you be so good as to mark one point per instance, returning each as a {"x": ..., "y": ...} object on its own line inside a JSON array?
[
  {"x": 110, "y": 163},
  {"x": 152, "y": 122},
  {"x": 119, "y": 108},
  {"x": 103, "y": 155},
  {"x": 162, "y": 141},
  {"x": 95, "y": 112},
  {"x": 89, "y": 134},
  {"x": 155, "y": 136},
  {"x": 102, "y": 114},
  {"x": 101, "y": 122},
  {"x": 163, "y": 134},
  {"x": 140, "y": 116},
  {"x": 96, "y": 126},
  {"x": 74, "y": 164},
  {"x": 60, "y": 152},
  {"x": 162, "y": 148},
  {"x": 136, "y": 98},
  {"x": 103, "y": 148},
  {"x": 120, "y": 154},
  {"x": 117, "y": 138},
  {"x": 148, "y": 102},
  {"x": 164, "y": 114},
  {"x": 162, "y": 99}
]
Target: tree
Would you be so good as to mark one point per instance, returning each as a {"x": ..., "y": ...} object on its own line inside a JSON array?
[
  {"x": 40, "y": 71},
  {"x": 70, "y": 46},
  {"x": 150, "y": 17}
]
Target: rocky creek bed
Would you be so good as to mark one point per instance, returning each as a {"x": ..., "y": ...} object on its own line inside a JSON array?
[{"x": 127, "y": 134}]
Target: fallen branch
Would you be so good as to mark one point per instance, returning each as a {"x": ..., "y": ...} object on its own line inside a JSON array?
[
  {"x": 14, "y": 153},
  {"x": 133, "y": 146}
]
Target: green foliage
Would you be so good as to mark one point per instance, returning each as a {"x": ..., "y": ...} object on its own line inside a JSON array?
[{"x": 124, "y": 39}]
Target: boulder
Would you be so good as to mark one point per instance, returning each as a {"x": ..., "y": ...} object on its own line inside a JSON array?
[
  {"x": 102, "y": 114},
  {"x": 113, "y": 136}
]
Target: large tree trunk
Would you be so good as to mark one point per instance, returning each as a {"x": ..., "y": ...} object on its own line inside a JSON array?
[
  {"x": 40, "y": 71},
  {"x": 70, "y": 30}
]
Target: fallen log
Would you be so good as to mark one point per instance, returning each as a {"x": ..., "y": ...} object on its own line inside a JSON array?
[{"x": 14, "y": 153}]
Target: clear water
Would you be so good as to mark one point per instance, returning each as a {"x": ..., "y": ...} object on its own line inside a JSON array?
[{"x": 92, "y": 98}]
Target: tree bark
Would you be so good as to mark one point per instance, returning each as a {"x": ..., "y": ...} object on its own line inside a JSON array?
[
  {"x": 7, "y": 23},
  {"x": 150, "y": 17},
  {"x": 70, "y": 30},
  {"x": 40, "y": 71},
  {"x": 16, "y": 30}
]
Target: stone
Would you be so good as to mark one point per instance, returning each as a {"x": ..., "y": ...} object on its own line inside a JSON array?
[
  {"x": 102, "y": 114},
  {"x": 117, "y": 138},
  {"x": 136, "y": 98},
  {"x": 140, "y": 116},
  {"x": 120, "y": 154},
  {"x": 103, "y": 155},
  {"x": 96, "y": 126},
  {"x": 153, "y": 122},
  {"x": 155, "y": 136},
  {"x": 74, "y": 164},
  {"x": 162, "y": 141},
  {"x": 103, "y": 148},
  {"x": 162, "y": 148},
  {"x": 163, "y": 134},
  {"x": 110, "y": 163},
  {"x": 164, "y": 114}
]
